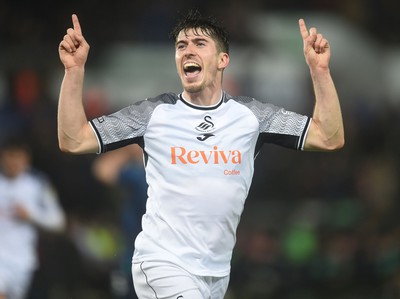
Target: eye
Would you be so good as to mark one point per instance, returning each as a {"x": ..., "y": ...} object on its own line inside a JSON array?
[{"x": 180, "y": 46}]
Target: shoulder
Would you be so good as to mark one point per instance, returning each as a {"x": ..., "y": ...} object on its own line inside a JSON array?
[
  {"x": 37, "y": 176},
  {"x": 164, "y": 98},
  {"x": 143, "y": 108},
  {"x": 151, "y": 103},
  {"x": 253, "y": 104},
  {"x": 238, "y": 99}
]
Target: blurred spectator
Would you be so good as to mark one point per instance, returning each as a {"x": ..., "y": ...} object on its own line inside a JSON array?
[
  {"x": 27, "y": 203},
  {"x": 123, "y": 169},
  {"x": 22, "y": 93}
]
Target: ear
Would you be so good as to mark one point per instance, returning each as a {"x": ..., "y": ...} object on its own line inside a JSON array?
[{"x": 223, "y": 59}]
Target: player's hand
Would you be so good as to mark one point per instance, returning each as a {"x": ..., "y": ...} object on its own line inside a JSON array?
[
  {"x": 316, "y": 48},
  {"x": 21, "y": 212},
  {"x": 73, "y": 49}
]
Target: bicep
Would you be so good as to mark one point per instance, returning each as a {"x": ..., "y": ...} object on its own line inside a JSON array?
[
  {"x": 314, "y": 140},
  {"x": 87, "y": 142},
  {"x": 90, "y": 142}
]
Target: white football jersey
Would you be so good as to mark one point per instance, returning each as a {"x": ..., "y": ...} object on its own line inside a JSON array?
[
  {"x": 18, "y": 237},
  {"x": 199, "y": 166}
]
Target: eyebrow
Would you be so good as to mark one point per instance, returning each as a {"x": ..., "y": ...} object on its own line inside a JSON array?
[{"x": 195, "y": 40}]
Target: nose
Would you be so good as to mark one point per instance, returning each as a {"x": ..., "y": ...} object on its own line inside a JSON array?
[{"x": 189, "y": 50}]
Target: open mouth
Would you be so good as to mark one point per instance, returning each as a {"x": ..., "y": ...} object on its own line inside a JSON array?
[{"x": 191, "y": 69}]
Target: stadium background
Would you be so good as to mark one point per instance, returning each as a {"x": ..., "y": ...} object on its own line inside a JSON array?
[{"x": 315, "y": 225}]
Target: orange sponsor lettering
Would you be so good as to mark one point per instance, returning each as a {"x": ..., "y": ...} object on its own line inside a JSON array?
[{"x": 181, "y": 155}]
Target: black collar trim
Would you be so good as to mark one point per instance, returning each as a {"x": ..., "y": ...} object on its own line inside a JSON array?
[{"x": 203, "y": 107}]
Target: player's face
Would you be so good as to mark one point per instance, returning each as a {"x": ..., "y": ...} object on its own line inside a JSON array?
[
  {"x": 199, "y": 62},
  {"x": 14, "y": 162}
]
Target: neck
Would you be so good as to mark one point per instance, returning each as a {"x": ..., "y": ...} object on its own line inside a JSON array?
[{"x": 203, "y": 98}]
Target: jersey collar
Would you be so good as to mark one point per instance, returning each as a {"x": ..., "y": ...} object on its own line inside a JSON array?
[{"x": 215, "y": 106}]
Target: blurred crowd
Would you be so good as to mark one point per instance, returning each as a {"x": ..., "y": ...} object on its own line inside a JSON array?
[
  {"x": 33, "y": 22},
  {"x": 315, "y": 224}
]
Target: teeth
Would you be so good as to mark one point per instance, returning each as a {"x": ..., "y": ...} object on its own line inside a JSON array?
[{"x": 191, "y": 64}]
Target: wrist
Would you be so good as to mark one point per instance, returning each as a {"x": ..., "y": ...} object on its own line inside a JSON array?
[
  {"x": 319, "y": 72},
  {"x": 75, "y": 69}
]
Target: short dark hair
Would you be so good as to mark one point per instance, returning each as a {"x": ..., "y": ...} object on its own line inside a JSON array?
[
  {"x": 15, "y": 142},
  {"x": 209, "y": 26}
]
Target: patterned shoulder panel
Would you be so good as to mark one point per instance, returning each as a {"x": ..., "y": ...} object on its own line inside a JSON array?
[
  {"x": 128, "y": 125},
  {"x": 277, "y": 125},
  {"x": 144, "y": 108},
  {"x": 263, "y": 111},
  {"x": 165, "y": 98}
]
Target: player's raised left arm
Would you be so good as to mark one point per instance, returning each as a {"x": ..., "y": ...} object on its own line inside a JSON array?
[{"x": 326, "y": 131}]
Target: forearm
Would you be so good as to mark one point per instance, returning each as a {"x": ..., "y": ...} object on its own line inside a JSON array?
[
  {"x": 327, "y": 116},
  {"x": 51, "y": 221},
  {"x": 72, "y": 121}
]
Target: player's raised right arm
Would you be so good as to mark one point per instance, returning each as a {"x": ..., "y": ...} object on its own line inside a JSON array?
[{"x": 74, "y": 133}]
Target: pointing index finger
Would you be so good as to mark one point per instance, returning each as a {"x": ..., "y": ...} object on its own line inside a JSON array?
[
  {"x": 303, "y": 29},
  {"x": 75, "y": 22}
]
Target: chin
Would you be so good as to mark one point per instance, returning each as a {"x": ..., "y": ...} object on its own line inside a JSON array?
[{"x": 193, "y": 88}]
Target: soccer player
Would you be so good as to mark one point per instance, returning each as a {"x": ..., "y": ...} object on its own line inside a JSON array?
[
  {"x": 199, "y": 149},
  {"x": 27, "y": 203}
]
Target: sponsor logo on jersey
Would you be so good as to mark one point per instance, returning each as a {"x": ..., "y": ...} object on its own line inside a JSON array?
[
  {"x": 231, "y": 172},
  {"x": 205, "y": 136},
  {"x": 182, "y": 155}
]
